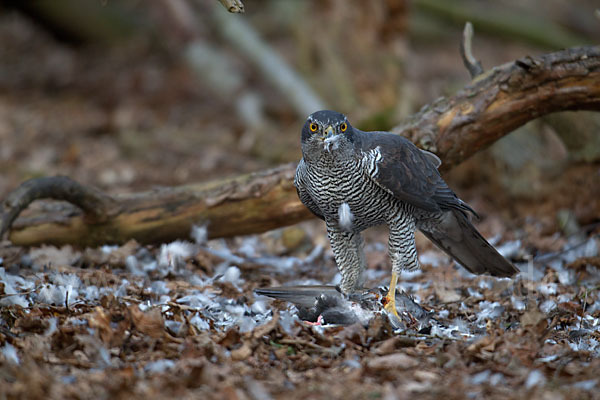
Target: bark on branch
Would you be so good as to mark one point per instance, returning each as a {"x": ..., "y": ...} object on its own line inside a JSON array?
[
  {"x": 500, "y": 100},
  {"x": 492, "y": 105}
]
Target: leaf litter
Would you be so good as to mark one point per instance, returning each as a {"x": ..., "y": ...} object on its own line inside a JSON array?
[{"x": 187, "y": 315}]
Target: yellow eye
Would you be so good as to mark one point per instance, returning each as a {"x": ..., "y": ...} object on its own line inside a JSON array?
[
  {"x": 343, "y": 127},
  {"x": 313, "y": 127}
]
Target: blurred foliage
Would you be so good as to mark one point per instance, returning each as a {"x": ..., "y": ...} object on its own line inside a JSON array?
[{"x": 118, "y": 76}]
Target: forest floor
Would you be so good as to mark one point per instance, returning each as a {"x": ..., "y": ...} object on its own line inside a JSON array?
[{"x": 181, "y": 319}]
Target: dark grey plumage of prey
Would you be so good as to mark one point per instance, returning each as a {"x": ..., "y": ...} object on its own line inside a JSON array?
[{"x": 354, "y": 180}]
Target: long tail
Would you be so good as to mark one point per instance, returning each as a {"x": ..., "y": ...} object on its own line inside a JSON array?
[{"x": 461, "y": 241}]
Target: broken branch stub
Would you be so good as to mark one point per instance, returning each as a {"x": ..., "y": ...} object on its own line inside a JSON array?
[{"x": 495, "y": 103}]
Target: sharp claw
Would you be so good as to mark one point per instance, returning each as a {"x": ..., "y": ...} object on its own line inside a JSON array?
[{"x": 389, "y": 305}]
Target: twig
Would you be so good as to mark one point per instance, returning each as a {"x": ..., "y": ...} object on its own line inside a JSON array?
[
  {"x": 233, "y": 6},
  {"x": 3, "y": 295},
  {"x": 473, "y": 65},
  {"x": 583, "y": 309}
]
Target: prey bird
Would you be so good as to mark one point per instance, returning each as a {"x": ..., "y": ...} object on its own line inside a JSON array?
[{"x": 354, "y": 180}]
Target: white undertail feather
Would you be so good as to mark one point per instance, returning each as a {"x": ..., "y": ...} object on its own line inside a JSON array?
[{"x": 345, "y": 217}]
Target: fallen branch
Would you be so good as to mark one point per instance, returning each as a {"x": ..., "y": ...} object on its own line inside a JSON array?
[
  {"x": 494, "y": 104},
  {"x": 502, "y": 99}
]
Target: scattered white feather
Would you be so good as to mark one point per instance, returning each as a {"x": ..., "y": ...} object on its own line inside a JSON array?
[
  {"x": 52, "y": 326},
  {"x": 535, "y": 378},
  {"x": 563, "y": 298},
  {"x": 133, "y": 266},
  {"x": 497, "y": 379},
  {"x": 195, "y": 300},
  {"x": 474, "y": 293},
  {"x": 566, "y": 277},
  {"x": 107, "y": 249},
  {"x": 345, "y": 216},
  {"x": 547, "y": 289},
  {"x": 518, "y": 304},
  {"x": 586, "y": 385},
  {"x": 509, "y": 249},
  {"x": 485, "y": 283},
  {"x": 122, "y": 290},
  {"x": 547, "y": 306},
  {"x": 199, "y": 323},
  {"x": 9, "y": 353},
  {"x": 159, "y": 366},
  {"x": 226, "y": 254},
  {"x": 489, "y": 310},
  {"x": 577, "y": 250},
  {"x": 174, "y": 254},
  {"x": 52, "y": 294},
  {"x": 480, "y": 377},
  {"x": 279, "y": 263},
  {"x": 199, "y": 234},
  {"x": 246, "y": 324},
  {"x": 585, "y": 344},
  {"x": 91, "y": 293},
  {"x": 159, "y": 287},
  {"x": 259, "y": 307},
  {"x": 232, "y": 274},
  {"x": 14, "y": 300},
  {"x": 13, "y": 285},
  {"x": 433, "y": 258},
  {"x": 174, "y": 326},
  {"x": 288, "y": 319},
  {"x": 249, "y": 246}
]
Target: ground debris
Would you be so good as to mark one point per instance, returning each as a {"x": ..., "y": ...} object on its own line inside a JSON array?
[{"x": 190, "y": 324}]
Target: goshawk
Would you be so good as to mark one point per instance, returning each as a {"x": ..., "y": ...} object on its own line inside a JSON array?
[{"x": 354, "y": 180}]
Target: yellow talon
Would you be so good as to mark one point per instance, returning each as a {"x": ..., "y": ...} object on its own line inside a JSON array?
[{"x": 389, "y": 301}]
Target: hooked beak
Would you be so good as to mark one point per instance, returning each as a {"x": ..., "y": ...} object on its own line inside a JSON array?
[
  {"x": 330, "y": 139},
  {"x": 328, "y": 133}
]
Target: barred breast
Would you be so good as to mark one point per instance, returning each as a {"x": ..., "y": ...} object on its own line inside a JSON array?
[{"x": 332, "y": 185}]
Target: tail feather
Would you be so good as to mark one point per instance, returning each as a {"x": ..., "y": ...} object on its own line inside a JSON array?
[
  {"x": 458, "y": 238},
  {"x": 304, "y": 296}
]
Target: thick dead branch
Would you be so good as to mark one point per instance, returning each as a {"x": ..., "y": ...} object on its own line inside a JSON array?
[
  {"x": 96, "y": 205},
  {"x": 494, "y": 104},
  {"x": 245, "y": 204},
  {"x": 504, "y": 98}
]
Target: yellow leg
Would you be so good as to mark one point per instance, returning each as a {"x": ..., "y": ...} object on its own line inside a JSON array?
[{"x": 389, "y": 301}]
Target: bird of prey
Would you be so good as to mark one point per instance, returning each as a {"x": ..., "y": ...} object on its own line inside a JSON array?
[{"x": 354, "y": 180}]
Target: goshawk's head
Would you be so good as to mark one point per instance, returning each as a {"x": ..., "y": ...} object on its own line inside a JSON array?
[{"x": 326, "y": 132}]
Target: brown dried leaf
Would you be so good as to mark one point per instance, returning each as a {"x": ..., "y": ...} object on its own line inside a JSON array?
[
  {"x": 150, "y": 323},
  {"x": 391, "y": 362},
  {"x": 265, "y": 329}
]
